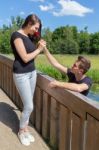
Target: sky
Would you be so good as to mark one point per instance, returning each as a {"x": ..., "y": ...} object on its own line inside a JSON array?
[{"x": 54, "y": 13}]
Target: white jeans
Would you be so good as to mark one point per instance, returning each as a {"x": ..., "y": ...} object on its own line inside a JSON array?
[{"x": 25, "y": 84}]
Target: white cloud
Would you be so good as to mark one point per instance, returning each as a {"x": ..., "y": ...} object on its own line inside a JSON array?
[
  {"x": 47, "y": 7},
  {"x": 69, "y": 7},
  {"x": 37, "y": 0},
  {"x": 22, "y": 13}
]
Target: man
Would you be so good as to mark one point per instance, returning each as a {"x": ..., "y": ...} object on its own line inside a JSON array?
[{"x": 78, "y": 81}]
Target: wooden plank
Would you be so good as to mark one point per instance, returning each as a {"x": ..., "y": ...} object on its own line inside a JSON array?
[
  {"x": 54, "y": 124},
  {"x": 2, "y": 79},
  {"x": 46, "y": 116},
  {"x": 38, "y": 109},
  {"x": 77, "y": 133},
  {"x": 6, "y": 79},
  {"x": 0, "y": 74},
  {"x": 92, "y": 134},
  {"x": 64, "y": 128}
]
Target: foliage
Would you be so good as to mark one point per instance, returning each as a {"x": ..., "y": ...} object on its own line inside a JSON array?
[
  {"x": 94, "y": 48},
  {"x": 63, "y": 40},
  {"x": 5, "y": 34},
  {"x": 43, "y": 65},
  {"x": 84, "y": 41}
]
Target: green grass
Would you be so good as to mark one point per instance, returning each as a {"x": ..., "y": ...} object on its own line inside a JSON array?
[
  {"x": 43, "y": 65},
  {"x": 68, "y": 60}
]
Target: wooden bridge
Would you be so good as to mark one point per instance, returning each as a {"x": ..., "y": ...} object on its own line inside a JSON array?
[{"x": 61, "y": 120}]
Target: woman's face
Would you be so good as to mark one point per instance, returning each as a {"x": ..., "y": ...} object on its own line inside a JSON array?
[{"x": 34, "y": 28}]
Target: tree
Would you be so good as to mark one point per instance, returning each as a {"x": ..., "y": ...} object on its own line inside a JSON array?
[
  {"x": 5, "y": 34},
  {"x": 63, "y": 41},
  {"x": 47, "y": 35},
  {"x": 5, "y": 42},
  {"x": 84, "y": 41},
  {"x": 94, "y": 43}
]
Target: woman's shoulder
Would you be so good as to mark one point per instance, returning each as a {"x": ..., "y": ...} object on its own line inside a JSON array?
[{"x": 15, "y": 35}]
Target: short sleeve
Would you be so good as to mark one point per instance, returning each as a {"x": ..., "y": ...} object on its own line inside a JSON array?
[
  {"x": 14, "y": 36},
  {"x": 88, "y": 81}
]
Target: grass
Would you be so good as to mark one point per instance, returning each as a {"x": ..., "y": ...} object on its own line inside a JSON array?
[
  {"x": 68, "y": 60},
  {"x": 43, "y": 65}
]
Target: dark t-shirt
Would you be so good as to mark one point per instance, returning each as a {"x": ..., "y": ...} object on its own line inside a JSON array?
[
  {"x": 85, "y": 80},
  {"x": 19, "y": 66}
]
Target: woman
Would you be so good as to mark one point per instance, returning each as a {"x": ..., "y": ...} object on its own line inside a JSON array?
[{"x": 25, "y": 50}]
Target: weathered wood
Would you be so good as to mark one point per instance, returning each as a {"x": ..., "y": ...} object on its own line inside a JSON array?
[
  {"x": 64, "y": 128},
  {"x": 92, "y": 134},
  {"x": 53, "y": 125},
  {"x": 76, "y": 134},
  {"x": 38, "y": 109},
  {"x": 46, "y": 116},
  {"x": 66, "y": 120},
  {"x": 73, "y": 100}
]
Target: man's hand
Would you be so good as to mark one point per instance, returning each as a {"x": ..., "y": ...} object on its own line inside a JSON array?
[
  {"x": 41, "y": 45},
  {"x": 54, "y": 84}
]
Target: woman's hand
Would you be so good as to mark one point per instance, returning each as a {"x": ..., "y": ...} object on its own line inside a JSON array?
[{"x": 41, "y": 45}]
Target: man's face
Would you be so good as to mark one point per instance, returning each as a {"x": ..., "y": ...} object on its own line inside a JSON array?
[{"x": 75, "y": 68}]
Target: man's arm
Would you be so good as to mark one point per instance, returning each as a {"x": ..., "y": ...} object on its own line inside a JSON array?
[
  {"x": 54, "y": 62},
  {"x": 70, "y": 86}
]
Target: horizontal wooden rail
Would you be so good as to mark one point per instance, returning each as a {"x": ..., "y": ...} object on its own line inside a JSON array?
[{"x": 66, "y": 120}]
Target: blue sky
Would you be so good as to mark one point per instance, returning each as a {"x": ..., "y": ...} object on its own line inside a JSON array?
[{"x": 54, "y": 13}]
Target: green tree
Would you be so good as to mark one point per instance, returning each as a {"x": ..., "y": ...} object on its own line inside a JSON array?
[
  {"x": 5, "y": 42},
  {"x": 94, "y": 43},
  {"x": 5, "y": 34},
  {"x": 47, "y": 35},
  {"x": 84, "y": 41},
  {"x": 63, "y": 41}
]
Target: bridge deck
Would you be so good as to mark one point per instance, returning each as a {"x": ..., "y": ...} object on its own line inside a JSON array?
[{"x": 9, "y": 121}]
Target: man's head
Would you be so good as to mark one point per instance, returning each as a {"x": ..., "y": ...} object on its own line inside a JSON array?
[{"x": 81, "y": 65}]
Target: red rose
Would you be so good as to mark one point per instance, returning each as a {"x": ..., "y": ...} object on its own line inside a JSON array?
[{"x": 37, "y": 34}]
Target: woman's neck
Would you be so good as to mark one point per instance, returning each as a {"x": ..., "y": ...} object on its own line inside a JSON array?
[{"x": 24, "y": 31}]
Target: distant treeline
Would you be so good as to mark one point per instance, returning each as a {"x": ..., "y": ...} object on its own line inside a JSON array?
[{"x": 63, "y": 40}]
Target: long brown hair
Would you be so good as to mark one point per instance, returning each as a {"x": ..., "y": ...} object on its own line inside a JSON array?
[{"x": 32, "y": 19}]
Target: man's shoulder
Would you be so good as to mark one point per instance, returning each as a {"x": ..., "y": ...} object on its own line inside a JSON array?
[{"x": 87, "y": 80}]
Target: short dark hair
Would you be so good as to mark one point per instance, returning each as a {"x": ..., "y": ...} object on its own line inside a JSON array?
[{"x": 85, "y": 64}]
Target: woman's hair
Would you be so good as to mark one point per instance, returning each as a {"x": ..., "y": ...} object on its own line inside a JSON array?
[
  {"x": 32, "y": 19},
  {"x": 85, "y": 64}
]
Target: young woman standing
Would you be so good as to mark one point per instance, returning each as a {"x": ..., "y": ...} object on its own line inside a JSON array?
[{"x": 25, "y": 50}]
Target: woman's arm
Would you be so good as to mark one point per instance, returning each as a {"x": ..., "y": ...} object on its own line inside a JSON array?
[
  {"x": 54, "y": 62},
  {"x": 26, "y": 57}
]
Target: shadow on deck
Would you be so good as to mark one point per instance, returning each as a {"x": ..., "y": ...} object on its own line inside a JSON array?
[{"x": 9, "y": 121}]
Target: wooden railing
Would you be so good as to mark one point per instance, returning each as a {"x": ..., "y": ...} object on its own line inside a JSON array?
[{"x": 66, "y": 120}]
